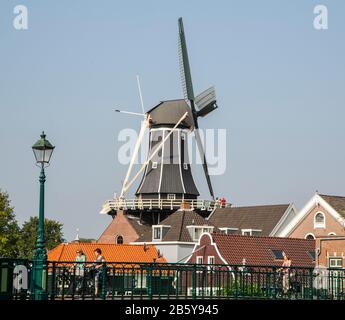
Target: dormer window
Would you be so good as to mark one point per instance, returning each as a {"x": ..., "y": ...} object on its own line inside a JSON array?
[
  {"x": 196, "y": 231},
  {"x": 319, "y": 220},
  {"x": 159, "y": 231},
  {"x": 183, "y": 136},
  {"x": 251, "y": 232},
  {"x": 154, "y": 165},
  {"x": 227, "y": 230}
]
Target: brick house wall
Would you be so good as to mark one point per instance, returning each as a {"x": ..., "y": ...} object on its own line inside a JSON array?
[
  {"x": 306, "y": 226},
  {"x": 119, "y": 226},
  {"x": 330, "y": 248},
  {"x": 205, "y": 249}
]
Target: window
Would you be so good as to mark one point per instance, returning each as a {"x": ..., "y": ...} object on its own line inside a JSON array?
[
  {"x": 229, "y": 230},
  {"x": 278, "y": 254},
  {"x": 199, "y": 260},
  {"x": 309, "y": 236},
  {"x": 251, "y": 232},
  {"x": 185, "y": 166},
  {"x": 332, "y": 234},
  {"x": 196, "y": 231},
  {"x": 154, "y": 165},
  {"x": 157, "y": 233},
  {"x": 171, "y": 196},
  {"x": 196, "y": 234},
  {"x": 119, "y": 240},
  {"x": 319, "y": 220},
  {"x": 211, "y": 262},
  {"x": 335, "y": 262}
]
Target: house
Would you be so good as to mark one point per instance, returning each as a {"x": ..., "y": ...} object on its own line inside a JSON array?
[
  {"x": 237, "y": 265},
  {"x": 66, "y": 252},
  {"x": 322, "y": 216},
  {"x": 265, "y": 220},
  {"x": 124, "y": 229},
  {"x": 252, "y": 250}
]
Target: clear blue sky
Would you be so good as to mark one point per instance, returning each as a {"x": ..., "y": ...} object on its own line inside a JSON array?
[{"x": 280, "y": 86}]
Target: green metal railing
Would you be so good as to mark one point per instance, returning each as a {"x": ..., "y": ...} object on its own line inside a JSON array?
[{"x": 147, "y": 281}]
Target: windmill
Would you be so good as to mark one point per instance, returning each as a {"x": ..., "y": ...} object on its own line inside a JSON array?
[{"x": 167, "y": 178}]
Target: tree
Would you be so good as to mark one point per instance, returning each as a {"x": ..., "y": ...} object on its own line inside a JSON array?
[
  {"x": 28, "y": 236},
  {"x": 9, "y": 230}
]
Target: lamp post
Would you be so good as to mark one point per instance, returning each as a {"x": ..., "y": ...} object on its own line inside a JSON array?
[{"x": 43, "y": 150}]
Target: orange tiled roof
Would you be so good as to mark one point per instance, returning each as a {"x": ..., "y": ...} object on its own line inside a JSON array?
[{"x": 65, "y": 252}]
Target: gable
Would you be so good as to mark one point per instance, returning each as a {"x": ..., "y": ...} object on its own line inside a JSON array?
[
  {"x": 120, "y": 225},
  {"x": 302, "y": 222}
]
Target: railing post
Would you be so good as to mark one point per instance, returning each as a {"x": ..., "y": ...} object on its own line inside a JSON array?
[
  {"x": 53, "y": 282},
  {"x": 274, "y": 289},
  {"x": 236, "y": 284},
  {"x": 149, "y": 287},
  {"x": 194, "y": 282},
  {"x": 104, "y": 281},
  {"x": 311, "y": 284}
]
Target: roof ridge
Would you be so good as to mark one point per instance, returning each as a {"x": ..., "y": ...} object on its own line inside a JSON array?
[
  {"x": 257, "y": 237},
  {"x": 259, "y": 205},
  {"x": 62, "y": 248},
  {"x": 329, "y": 195},
  {"x": 182, "y": 225}
]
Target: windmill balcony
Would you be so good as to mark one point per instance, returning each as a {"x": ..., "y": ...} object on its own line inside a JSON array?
[{"x": 160, "y": 204}]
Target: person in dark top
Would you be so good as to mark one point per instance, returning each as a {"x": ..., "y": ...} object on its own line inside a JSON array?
[{"x": 98, "y": 263}]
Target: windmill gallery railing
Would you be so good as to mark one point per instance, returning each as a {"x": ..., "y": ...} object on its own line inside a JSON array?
[
  {"x": 140, "y": 204},
  {"x": 147, "y": 281}
]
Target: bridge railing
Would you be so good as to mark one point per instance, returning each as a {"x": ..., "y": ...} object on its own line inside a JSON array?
[{"x": 143, "y": 281}]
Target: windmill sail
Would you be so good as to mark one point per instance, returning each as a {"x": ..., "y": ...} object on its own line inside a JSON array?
[
  {"x": 204, "y": 163},
  {"x": 187, "y": 86},
  {"x": 186, "y": 76},
  {"x": 206, "y": 102}
]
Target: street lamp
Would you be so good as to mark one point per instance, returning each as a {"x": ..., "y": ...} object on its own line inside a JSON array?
[{"x": 43, "y": 150}]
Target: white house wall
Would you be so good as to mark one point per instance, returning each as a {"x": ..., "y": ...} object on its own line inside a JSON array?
[{"x": 175, "y": 252}]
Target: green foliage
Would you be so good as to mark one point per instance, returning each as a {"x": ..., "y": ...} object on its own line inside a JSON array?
[
  {"x": 86, "y": 240},
  {"x": 28, "y": 235},
  {"x": 9, "y": 230},
  {"x": 245, "y": 286}
]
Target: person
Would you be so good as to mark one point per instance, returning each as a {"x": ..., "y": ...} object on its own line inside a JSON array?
[
  {"x": 286, "y": 269},
  {"x": 222, "y": 202},
  {"x": 98, "y": 269},
  {"x": 79, "y": 268}
]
